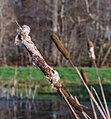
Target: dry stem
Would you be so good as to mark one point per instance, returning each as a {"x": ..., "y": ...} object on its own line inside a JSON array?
[
  {"x": 90, "y": 93},
  {"x": 102, "y": 91}
]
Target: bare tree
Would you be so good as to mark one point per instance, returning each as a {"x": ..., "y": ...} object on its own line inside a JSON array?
[
  {"x": 73, "y": 20},
  {"x": 7, "y": 20}
]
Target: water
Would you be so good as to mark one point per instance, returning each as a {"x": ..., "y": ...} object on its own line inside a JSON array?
[
  {"x": 49, "y": 107},
  {"x": 33, "y": 109},
  {"x": 39, "y": 109}
]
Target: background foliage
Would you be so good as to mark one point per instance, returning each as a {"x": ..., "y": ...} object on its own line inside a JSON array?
[{"x": 73, "y": 20}]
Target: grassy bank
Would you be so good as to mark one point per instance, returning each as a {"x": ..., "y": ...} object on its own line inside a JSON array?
[
  {"x": 66, "y": 74},
  {"x": 30, "y": 77}
]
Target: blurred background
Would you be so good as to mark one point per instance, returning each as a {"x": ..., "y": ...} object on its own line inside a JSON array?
[{"x": 73, "y": 20}]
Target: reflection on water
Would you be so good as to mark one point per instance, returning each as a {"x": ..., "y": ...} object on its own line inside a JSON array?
[
  {"x": 33, "y": 109},
  {"x": 38, "y": 109}
]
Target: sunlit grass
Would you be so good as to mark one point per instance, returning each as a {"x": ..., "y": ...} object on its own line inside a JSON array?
[
  {"x": 30, "y": 76},
  {"x": 67, "y": 74}
]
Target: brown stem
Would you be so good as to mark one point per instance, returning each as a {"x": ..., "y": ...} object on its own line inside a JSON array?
[
  {"x": 93, "y": 108},
  {"x": 91, "y": 95},
  {"x": 93, "y": 89},
  {"x": 102, "y": 91},
  {"x": 67, "y": 56},
  {"x": 70, "y": 107}
]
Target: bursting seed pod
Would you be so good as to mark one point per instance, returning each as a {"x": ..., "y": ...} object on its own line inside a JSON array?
[
  {"x": 59, "y": 45},
  {"x": 23, "y": 38},
  {"x": 91, "y": 50}
]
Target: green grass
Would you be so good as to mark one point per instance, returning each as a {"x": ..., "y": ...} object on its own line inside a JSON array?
[
  {"x": 30, "y": 77},
  {"x": 67, "y": 74},
  {"x": 23, "y": 73}
]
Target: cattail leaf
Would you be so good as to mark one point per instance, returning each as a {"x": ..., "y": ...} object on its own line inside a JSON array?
[{"x": 60, "y": 46}]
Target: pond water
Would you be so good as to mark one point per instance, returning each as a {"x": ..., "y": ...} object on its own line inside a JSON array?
[
  {"x": 33, "y": 109},
  {"x": 37, "y": 109}
]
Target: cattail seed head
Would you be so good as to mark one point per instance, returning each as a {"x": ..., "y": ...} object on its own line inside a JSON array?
[
  {"x": 83, "y": 74},
  {"x": 91, "y": 50},
  {"x": 75, "y": 104},
  {"x": 26, "y": 29},
  {"x": 72, "y": 100},
  {"x": 90, "y": 44},
  {"x": 60, "y": 46},
  {"x": 57, "y": 84}
]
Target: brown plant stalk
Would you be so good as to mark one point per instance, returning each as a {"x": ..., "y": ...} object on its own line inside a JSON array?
[
  {"x": 93, "y": 57},
  {"x": 84, "y": 76},
  {"x": 96, "y": 94},
  {"x": 77, "y": 71},
  {"x": 102, "y": 91}
]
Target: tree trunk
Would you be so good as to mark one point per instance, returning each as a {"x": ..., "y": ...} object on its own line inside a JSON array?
[
  {"x": 54, "y": 51},
  {"x": 106, "y": 55}
]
